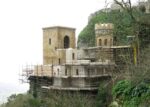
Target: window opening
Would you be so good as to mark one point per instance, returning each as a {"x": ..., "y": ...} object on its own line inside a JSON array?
[
  {"x": 77, "y": 72},
  {"x": 105, "y": 42},
  {"x": 73, "y": 57},
  {"x": 66, "y": 42},
  {"x": 59, "y": 61},
  {"x": 100, "y": 42},
  {"x": 65, "y": 71},
  {"x": 58, "y": 71},
  {"x": 49, "y": 41}
]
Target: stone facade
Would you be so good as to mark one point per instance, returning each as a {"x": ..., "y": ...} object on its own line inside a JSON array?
[
  {"x": 69, "y": 68},
  {"x": 104, "y": 34},
  {"x": 56, "y": 38},
  {"x": 83, "y": 75}
]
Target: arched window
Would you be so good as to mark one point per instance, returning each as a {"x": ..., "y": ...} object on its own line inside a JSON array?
[
  {"x": 59, "y": 61},
  {"x": 66, "y": 42},
  {"x": 77, "y": 72},
  {"x": 100, "y": 42},
  {"x": 105, "y": 42},
  {"x": 111, "y": 42},
  {"x": 73, "y": 57},
  {"x": 49, "y": 41}
]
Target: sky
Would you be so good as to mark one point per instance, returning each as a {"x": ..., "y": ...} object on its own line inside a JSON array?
[{"x": 21, "y": 23}]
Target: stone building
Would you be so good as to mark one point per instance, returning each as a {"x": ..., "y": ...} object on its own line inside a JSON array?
[
  {"x": 56, "y": 38},
  {"x": 68, "y": 68},
  {"x": 104, "y": 34}
]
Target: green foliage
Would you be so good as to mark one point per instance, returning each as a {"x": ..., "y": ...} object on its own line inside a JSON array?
[
  {"x": 129, "y": 95},
  {"x": 122, "y": 27},
  {"x": 104, "y": 96},
  {"x": 2, "y": 105},
  {"x": 52, "y": 99},
  {"x": 122, "y": 88},
  {"x": 66, "y": 99},
  {"x": 22, "y": 100},
  {"x": 12, "y": 97},
  {"x": 32, "y": 102}
]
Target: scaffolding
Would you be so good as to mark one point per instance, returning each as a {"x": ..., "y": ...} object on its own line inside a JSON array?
[{"x": 99, "y": 64}]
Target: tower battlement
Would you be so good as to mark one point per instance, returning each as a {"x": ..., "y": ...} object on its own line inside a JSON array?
[
  {"x": 104, "y": 26},
  {"x": 104, "y": 34}
]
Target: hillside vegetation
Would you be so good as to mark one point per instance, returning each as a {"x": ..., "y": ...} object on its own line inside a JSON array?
[
  {"x": 135, "y": 91},
  {"x": 51, "y": 99},
  {"x": 122, "y": 27}
]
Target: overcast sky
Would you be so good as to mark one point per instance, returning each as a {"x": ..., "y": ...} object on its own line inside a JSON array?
[{"x": 21, "y": 23}]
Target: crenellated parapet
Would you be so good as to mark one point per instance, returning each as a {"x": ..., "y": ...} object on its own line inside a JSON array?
[
  {"x": 103, "y": 29},
  {"x": 104, "y": 26},
  {"x": 104, "y": 34}
]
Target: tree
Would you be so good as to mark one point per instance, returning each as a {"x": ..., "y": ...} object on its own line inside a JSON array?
[
  {"x": 127, "y": 6},
  {"x": 140, "y": 21}
]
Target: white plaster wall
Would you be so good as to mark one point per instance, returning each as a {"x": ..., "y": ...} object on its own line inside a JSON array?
[{"x": 57, "y": 70}]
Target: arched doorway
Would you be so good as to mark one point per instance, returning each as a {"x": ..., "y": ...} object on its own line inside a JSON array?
[{"x": 66, "y": 42}]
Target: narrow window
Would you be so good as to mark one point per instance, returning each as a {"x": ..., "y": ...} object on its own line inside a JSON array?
[
  {"x": 88, "y": 72},
  {"x": 66, "y": 42},
  {"x": 65, "y": 71},
  {"x": 77, "y": 72},
  {"x": 100, "y": 42},
  {"x": 105, "y": 42},
  {"x": 58, "y": 71},
  {"x": 73, "y": 56},
  {"x": 59, "y": 61},
  {"x": 111, "y": 42},
  {"x": 49, "y": 41}
]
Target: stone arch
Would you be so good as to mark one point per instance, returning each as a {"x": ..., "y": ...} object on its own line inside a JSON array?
[
  {"x": 66, "y": 42},
  {"x": 105, "y": 42},
  {"x": 100, "y": 42},
  {"x": 111, "y": 42}
]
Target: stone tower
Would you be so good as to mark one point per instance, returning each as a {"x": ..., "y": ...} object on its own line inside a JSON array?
[
  {"x": 56, "y": 38},
  {"x": 104, "y": 34}
]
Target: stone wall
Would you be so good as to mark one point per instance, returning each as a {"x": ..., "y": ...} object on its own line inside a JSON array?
[
  {"x": 53, "y": 39},
  {"x": 104, "y": 34}
]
